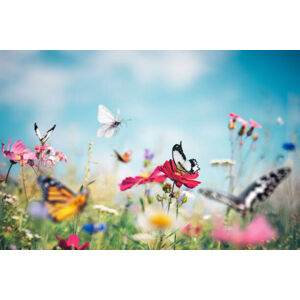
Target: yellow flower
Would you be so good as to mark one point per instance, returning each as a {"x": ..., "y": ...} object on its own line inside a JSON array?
[{"x": 160, "y": 221}]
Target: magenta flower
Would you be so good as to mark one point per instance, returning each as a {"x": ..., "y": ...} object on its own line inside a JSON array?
[
  {"x": 234, "y": 116},
  {"x": 170, "y": 170},
  {"x": 257, "y": 232},
  {"x": 129, "y": 182},
  {"x": 72, "y": 243}
]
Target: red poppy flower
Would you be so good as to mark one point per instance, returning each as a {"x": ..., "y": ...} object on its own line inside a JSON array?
[
  {"x": 129, "y": 182},
  {"x": 169, "y": 168},
  {"x": 72, "y": 243}
]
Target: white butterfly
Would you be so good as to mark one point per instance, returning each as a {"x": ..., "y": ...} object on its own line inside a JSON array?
[
  {"x": 110, "y": 123},
  {"x": 43, "y": 139}
]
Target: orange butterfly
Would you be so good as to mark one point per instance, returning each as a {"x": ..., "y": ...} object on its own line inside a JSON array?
[
  {"x": 125, "y": 158},
  {"x": 61, "y": 202}
]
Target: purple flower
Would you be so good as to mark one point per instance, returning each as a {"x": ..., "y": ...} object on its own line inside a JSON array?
[
  {"x": 38, "y": 210},
  {"x": 148, "y": 155}
]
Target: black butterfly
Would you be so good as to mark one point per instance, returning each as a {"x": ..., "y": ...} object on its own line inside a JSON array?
[
  {"x": 46, "y": 136},
  {"x": 258, "y": 191},
  {"x": 183, "y": 165}
]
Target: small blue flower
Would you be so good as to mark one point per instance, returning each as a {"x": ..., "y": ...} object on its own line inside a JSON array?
[
  {"x": 289, "y": 146},
  {"x": 94, "y": 228}
]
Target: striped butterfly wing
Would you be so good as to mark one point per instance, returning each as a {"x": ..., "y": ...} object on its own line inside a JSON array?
[
  {"x": 60, "y": 201},
  {"x": 261, "y": 189},
  {"x": 227, "y": 199}
]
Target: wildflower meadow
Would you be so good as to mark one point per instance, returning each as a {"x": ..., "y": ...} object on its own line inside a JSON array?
[{"x": 159, "y": 194}]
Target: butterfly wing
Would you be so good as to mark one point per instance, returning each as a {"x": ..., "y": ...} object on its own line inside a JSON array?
[
  {"x": 118, "y": 114},
  {"x": 60, "y": 201},
  {"x": 47, "y": 135},
  {"x": 54, "y": 191},
  {"x": 263, "y": 187},
  {"x": 119, "y": 157},
  {"x": 105, "y": 116},
  {"x": 179, "y": 157},
  {"x": 110, "y": 131},
  {"x": 102, "y": 130},
  {"x": 37, "y": 132},
  {"x": 227, "y": 199},
  {"x": 194, "y": 166},
  {"x": 71, "y": 209}
]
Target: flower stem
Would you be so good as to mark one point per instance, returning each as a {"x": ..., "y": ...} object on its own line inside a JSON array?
[
  {"x": 177, "y": 208},
  {"x": 8, "y": 171},
  {"x": 35, "y": 172},
  {"x": 24, "y": 186},
  {"x": 171, "y": 196}
]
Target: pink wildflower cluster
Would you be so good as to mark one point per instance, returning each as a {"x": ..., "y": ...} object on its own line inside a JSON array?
[
  {"x": 47, "y": 156},
  {"x": 245, "y": 125},
  {"x": 257, "y": 232}
]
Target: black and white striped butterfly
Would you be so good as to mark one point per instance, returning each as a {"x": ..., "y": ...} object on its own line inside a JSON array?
[
  {"x": 43, "y": 139},
  {"x": 182, "y": 164},
  {"x": 256, "y": 192}
]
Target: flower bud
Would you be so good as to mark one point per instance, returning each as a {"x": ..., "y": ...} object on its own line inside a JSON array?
[
  {"x": 242, "y": 131},
  {"x": 255, "y": 136},
  {"x": 232, "y": 124},
  {"x": 250, "y": 131},
  {"x": 167, "y": 188}
]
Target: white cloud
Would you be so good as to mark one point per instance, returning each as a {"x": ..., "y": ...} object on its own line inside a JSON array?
[{"x": 176, "y": 69}]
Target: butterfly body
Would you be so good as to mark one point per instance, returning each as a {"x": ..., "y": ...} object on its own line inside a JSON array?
[
  {"x": 60, "y": 201},
  {"x": 43, "y": 139},
  {"x": 182, "y": 164},
  {"x": 256, "y": 192},
  {"x": 109, "y": 122}
]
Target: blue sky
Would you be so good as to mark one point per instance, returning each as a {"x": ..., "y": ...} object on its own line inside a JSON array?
[{"x": 167, "y": 96}]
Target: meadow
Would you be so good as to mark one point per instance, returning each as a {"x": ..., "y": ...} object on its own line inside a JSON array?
[{"x": 160, "y": 208}]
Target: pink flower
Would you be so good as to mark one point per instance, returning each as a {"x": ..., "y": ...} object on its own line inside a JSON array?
[
  {"x": 170, "y": 170},
  {"x": 129, "y": 182},
  {"x": 18, "y": 153},
  {"x": 234, "y": 116},
  {"x": 72, "y": 243},
  {"x": 257, "y": 232},
  {"x": 60, "y": 156},
  {"x": 254, "y": 124},
  {"x": 190, "y": 230},
  {"x": 243, "y": 122},
  {"x": 47, "y": 156}
]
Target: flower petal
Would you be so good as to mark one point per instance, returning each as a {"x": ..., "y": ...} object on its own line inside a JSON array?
[
  {"x": 84, "y": 246},
  {"x": 129, "y": 182},
  {"x": 73, "y": 240}
]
